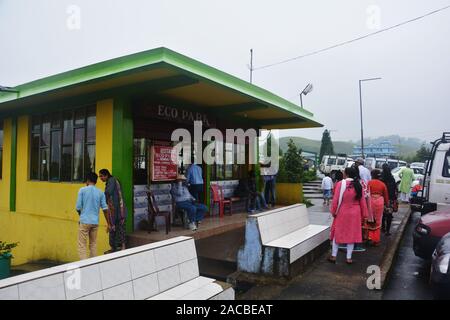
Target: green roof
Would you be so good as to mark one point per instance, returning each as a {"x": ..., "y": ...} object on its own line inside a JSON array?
[{"x": 157, "y": 64}]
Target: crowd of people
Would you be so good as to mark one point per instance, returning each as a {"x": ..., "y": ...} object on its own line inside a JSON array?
[{"x": 363, "y": 204}]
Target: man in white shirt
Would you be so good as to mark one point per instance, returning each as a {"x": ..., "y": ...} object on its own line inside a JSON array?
[
  {"x": 327, "y": 187},
  {"x": 364, "y": 173}
]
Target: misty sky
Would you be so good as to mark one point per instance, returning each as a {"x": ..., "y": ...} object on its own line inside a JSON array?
[{"x": 412, "y": 99}]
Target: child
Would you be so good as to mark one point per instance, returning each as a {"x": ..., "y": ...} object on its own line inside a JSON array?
[{"x": 327, "y": 187}]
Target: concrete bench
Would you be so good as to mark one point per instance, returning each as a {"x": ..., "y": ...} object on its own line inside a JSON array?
[
  {"x": 162, "y": 270},
  {"x": 276, "y": 241}
]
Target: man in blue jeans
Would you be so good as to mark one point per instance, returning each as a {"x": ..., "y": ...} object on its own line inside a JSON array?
[
  {"x": 195, "y": 181},
  {"x": 184, "y": 200}
]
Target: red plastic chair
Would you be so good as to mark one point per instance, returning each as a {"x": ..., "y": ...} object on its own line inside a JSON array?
[{"x": 218, "y": 197}]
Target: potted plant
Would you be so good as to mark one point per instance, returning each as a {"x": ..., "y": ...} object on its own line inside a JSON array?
[{"x": 5, "y": 258}]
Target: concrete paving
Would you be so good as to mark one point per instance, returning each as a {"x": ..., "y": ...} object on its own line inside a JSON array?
[{"x": 326, "y": 281}]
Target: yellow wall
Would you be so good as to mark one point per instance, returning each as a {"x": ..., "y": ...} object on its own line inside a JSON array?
[
  {"x": 289, "y": 193},
  {"x": 6, "y": 166},
  {"x": 45, "y": 222}
]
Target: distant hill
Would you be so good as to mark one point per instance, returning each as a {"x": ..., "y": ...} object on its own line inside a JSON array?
[
  {"x": 314, "y": 145},
  {"x": 405, "y": 146}
]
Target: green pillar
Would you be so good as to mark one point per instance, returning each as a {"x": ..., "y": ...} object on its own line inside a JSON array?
[
  {"x": 122, "y": 152},
  {"x": 13, "y": 177}
]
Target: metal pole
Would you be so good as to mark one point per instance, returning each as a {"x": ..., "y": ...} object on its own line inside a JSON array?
[
  {"x": 251, "y": 65},
  {"x": 360, "y": 110},
  {"x": 301, "y": 100}
]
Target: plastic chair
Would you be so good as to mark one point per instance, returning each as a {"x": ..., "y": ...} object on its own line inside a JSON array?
[
  {"x": 218, "y": 197},
  {"x": 154, "y": 212}
]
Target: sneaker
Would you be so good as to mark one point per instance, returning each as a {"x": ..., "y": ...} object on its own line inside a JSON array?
[{"x": 192, "y": 226}]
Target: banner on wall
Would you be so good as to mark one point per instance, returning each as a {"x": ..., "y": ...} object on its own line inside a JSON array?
[{"x": 161, "y": 165}]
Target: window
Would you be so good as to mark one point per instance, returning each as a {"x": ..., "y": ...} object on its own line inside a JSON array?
[
  {"x": 230, "y": 170},
  {"x": 1, "y": 149},
  {"x": 63, "y": 145},
  {"x": 446, "y": 169},
  {"x": 331, "y": 161}
]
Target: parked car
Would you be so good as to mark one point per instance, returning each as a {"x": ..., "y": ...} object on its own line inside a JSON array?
[
  {"x": 436, "y": 182},
  {"x": 440, "y": 269},
  {"x": 429, "y": 231},
  {"x": 331, "y": 164},
  {"x": 418, "y": 175}
]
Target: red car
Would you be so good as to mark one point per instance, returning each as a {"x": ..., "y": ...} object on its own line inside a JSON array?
[{"x": 429, "y": 230}]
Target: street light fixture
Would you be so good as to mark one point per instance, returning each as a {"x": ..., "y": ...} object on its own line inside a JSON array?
[
  {"x": 305, "y": 91},
  {"x": 360, "y": 109}
]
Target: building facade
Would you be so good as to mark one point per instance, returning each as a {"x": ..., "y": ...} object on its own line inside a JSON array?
[
  {"x": 383, "y": 149},
  {"x": 113, "y": 115}
]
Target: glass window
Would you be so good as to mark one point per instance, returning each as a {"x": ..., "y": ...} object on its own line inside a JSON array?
[
  {"x": 89, "y": 159},
  {"x": 68, "y": 127},
  {"x": 34, "y": 159},
  {"x": 45, "y": 155},
  {"x": 55, "y": 155},
  {"x": 66, "y": 163},
  {"x": 62, "y": 145},
  {"x": 78, "y": 155},
  {"x": 45, "y": 136},
  {"x": 79, "y": 117},
  {"x": 446, "y": 170}
]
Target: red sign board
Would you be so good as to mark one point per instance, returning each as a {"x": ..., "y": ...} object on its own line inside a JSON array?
[{"x": 161, "y": 164}]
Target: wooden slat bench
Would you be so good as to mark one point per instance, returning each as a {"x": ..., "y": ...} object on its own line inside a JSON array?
[
  {"x": 161, "y": 270},
  {"x": 276, "y": 240}
]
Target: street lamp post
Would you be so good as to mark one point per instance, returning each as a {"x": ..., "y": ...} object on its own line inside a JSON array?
[
  {"x": 361, "y": 112},
  {"x": 305, "y": 91}
]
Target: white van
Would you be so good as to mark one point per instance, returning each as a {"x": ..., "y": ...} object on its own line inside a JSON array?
[
  {"x": 436, "y": 184},
  {"x": 331, "y": 164}
]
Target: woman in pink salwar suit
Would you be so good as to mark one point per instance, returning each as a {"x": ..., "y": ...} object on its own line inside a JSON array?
[{"x": 349, "y": 217}]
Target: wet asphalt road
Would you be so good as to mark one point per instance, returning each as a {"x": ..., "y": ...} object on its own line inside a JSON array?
[{"x": 410, "y": 274}]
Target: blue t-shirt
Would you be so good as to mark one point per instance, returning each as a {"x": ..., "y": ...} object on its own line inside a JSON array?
[
  {"x": 90, "y": 200},
  {"x": 194, "y": 174}
]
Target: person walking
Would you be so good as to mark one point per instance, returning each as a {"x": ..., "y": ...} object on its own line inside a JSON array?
[
  {"x": 327, "y": 188},
  {"x": 184, "y": 200},
  {"x": 392, "y": 205},
  {"x": 117, "y": 210},
  {"x": 364, "y": 173},
  {"x": 407, "y": 176},
  {"x": 349, "y": 209},
  {"x": 378, "y": 198},
  {"x": 89, "y": 202},
  {"x": 269, "y": 178},
  {"x": 195, "y": 181}
]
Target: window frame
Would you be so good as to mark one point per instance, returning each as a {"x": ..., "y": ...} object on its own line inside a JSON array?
[
  {"x": 38, "y": 118},
  {"x": 446, "y": 165}
]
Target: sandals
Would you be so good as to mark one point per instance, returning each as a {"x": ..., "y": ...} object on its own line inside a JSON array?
[
  {"x": 348, "y": 261},
  {"x": 331, "y": 259}
]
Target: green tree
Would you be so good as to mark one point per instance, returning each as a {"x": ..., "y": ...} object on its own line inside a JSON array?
[
  {"x": 422, "y": 154},
  {"x": 292, "y": 163},
  {"x": 326, "y": 148}
]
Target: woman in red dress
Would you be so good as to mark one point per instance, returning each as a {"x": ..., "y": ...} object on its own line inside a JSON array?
[
  {"x": 349, "y": 209},
  {"x": 379, "y": 197}
]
